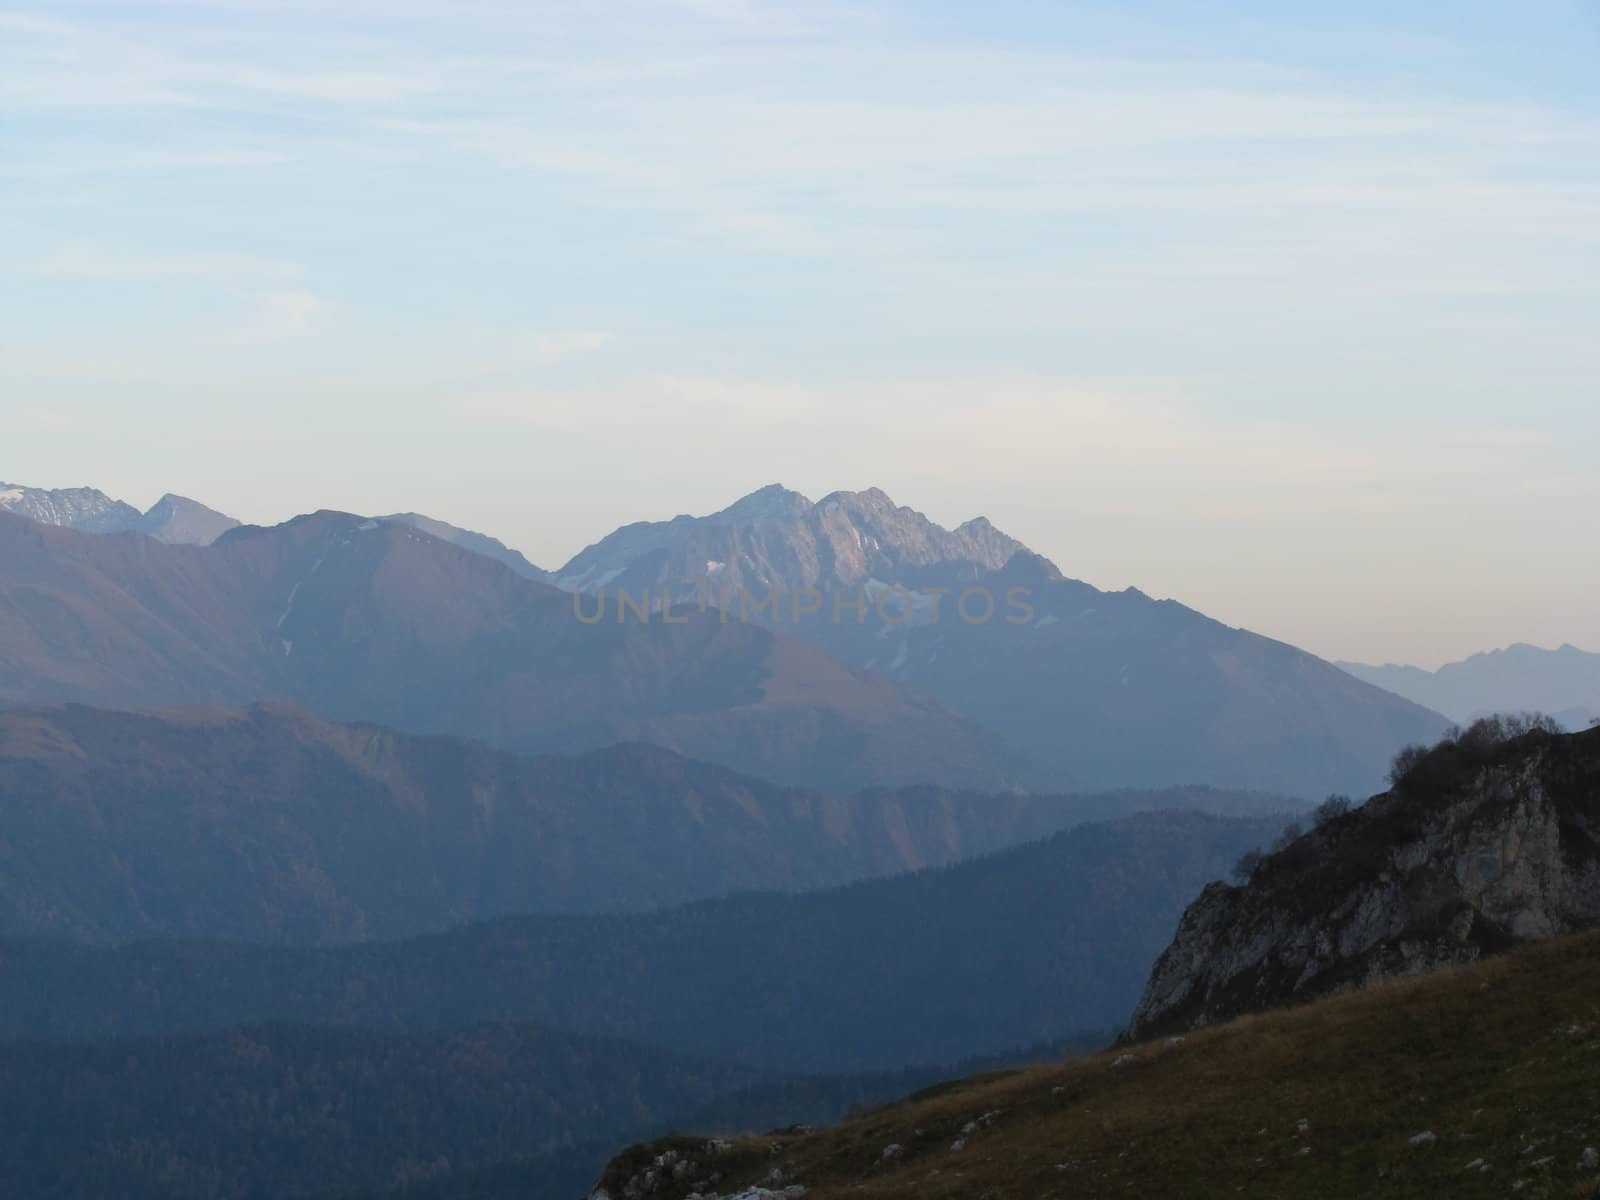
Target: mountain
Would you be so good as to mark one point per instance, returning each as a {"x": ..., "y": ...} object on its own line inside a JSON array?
[
  {"x": 88, "y": 510},
  {"x": 1121, "y": 689},
  {"x": 363, "y": 620},
  {"x": 1564, "y": 683},
  {"x": 1133, "y": 690},
  {"x": 775, "y": 539},
  {"x": 1488, "y": 839},
  {"x": 1478, "y": 1082},
  {"x": 83, "y": 508},
  {"x": 478, "y": 543},
  {"x": 182, "y": 521},
  {"x": 1032, "y": 944},
  {"x": 272, "y": 825}
]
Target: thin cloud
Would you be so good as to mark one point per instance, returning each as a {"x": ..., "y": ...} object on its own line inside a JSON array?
[
  {"x": 1134, "y": 451},
  {"x": 551, "y": 347},
  {"x": 284, "y": 316},
  {"x": 339, "y": 87},
  {"x": 663, "y": 404},
  {"x": 88, "y": 263}
]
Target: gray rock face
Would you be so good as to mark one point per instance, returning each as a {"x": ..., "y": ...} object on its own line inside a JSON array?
[
  {"x": 1468, "y": 860},
  {"x": 180, "y": 521},
  {"x": 778, "y": 540},
  {"x": 174, "y": 519},
  {"x": 86, "y": 509}
]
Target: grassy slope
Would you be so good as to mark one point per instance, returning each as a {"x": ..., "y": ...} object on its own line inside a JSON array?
[{"x": 1500, "y": 1060}]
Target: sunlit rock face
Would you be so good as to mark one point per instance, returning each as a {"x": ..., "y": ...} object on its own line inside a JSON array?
[{"x": 1462, "y": 859}]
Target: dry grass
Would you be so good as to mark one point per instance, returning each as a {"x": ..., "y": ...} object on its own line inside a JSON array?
[{"x": 1500, "y": 1061}]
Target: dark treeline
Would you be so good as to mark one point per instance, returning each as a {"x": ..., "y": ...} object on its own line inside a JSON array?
[
  {"x": 1022, "y": 947},
  {"x": 293, "y": 1112}
]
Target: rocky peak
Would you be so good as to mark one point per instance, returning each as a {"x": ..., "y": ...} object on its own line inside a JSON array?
[
  {"x": 1489, "y": 839},
  {"x": 83, "y": 508},
  {"x": 771, "y": 503},
  {"x": 777, "y": 539},
  {"x": 88, "y": 510},
  {"x": 180, "y": 520}
]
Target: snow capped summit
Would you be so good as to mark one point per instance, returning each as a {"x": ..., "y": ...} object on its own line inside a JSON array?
[
  {"x": 83, "y": 508},
  {"x": 172, "y": 518}
]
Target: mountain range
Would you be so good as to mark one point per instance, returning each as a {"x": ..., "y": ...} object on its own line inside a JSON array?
[
  {"x": 172, "y": 518},
  {"x": 841, "y": 643},
  {"x": 362, "y": 620},
  {"x": 361, "y": 857},
  {"x": 1027, "y": 945},
  {"x": 180, "y": 520},
  {"x": 1117, "y": 687},
  {"x": 1565, "y": 683},
  {"x": 271, "y": 825}
]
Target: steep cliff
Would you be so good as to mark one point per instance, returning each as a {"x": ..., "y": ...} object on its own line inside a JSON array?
[{"x": 1489, "y": 839}]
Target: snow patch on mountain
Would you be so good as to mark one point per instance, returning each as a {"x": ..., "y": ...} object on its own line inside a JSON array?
[{"x": 172, "y": 519}]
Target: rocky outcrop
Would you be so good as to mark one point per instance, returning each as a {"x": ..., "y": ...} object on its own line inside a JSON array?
[
  {"x": 686, "y": 1168},
  {"x": 1484, "y": 843}
]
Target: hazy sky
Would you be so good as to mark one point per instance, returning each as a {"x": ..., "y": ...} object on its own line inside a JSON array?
[{"x": 1287, "y": 311}]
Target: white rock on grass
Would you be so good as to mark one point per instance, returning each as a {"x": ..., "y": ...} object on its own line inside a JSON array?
[{"x": 1426, "y": 1138}]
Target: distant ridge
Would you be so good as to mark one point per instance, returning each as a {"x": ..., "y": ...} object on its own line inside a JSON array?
[
  {"x": 1052, "y": 677},
  {"x": 1121, "y": 688},
  {"x": 1565, "y": 683},
  {"x": 359, "y": 619},
  {"x": 174, "y": 519},
  {"x": 478, "y": 543},
  {"x": 269, "y": 824},
  {"x": 1033, "y": 943}
]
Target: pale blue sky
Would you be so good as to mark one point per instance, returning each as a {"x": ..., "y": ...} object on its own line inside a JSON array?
[{"x": 1286, "y": 311}]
